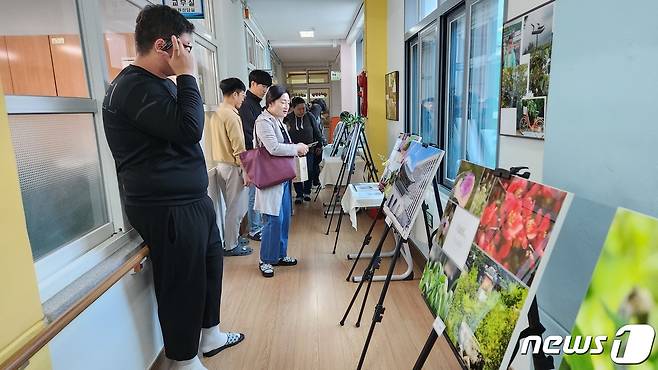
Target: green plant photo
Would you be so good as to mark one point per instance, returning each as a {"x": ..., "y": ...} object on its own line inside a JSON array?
[{"x": 622, "y": 291}]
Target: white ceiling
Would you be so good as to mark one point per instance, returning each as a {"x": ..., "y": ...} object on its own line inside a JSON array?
[
  {"x": 307, "y": 54},
  {"x": 281, "y": 21}
]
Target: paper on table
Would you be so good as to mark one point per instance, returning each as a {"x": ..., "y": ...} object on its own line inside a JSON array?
[
  {"x": 460, "y": 236},
  {"x": 368, "y": 189}
]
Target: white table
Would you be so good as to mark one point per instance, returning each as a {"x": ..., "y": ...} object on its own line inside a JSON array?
[
  {"x": 363, "y": 195},
  {"x": 331, "y": 169}
]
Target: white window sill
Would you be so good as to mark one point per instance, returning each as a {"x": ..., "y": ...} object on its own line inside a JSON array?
[
  {"x": 64, "y": 292},
  {"x": 61, "y": 279}
]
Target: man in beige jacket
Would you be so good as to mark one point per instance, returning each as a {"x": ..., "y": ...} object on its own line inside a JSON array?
[{"x": 227, "y": 142}]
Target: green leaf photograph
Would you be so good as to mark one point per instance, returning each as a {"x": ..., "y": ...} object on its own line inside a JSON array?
[{"x": 622, "y": 291}]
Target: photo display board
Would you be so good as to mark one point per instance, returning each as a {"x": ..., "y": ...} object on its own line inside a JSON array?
[
  {"x": 418, "y": 166},
  {"x": 492, "y": 243},
  {"x": 623, "y": 291},
  {"x": 394, "y": 162},
  {"x": 527, "y": 48}
]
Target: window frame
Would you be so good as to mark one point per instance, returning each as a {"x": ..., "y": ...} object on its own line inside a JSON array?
[
  {"x": 297, "y": 73},
  {"x": 60, "y": 258},
  {"x": 441, "y": 16},
  {"x": 433, "y": 28},
  {"x": 201, "y": 42},
  {"x": 450, "y": 17},
  {"x": 412, "y": 85},
  {"x": 68, "y": 262},
  {"x": 318, "y": 71}
]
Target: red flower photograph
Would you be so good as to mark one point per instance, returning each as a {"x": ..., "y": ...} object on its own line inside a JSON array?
[{"x": 516, "y": 224}]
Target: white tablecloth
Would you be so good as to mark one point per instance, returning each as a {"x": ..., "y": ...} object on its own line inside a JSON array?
[
  {"x": 364, "y": 195},
  {"x": 331, "y": 169}
]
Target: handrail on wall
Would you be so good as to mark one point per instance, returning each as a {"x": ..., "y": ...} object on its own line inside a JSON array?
[{"x": 23, "y": 355}]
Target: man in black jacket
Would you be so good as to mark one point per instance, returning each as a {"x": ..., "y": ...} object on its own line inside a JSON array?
[
  {"x": 318, "y": 107},
  {"x": 153, "y": 128},
  {"x": 259, "y": 82},
  {"x": 303, "y": 128}
]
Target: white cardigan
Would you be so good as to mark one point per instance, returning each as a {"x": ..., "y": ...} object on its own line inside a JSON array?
[{"x": 268, "y": 134}]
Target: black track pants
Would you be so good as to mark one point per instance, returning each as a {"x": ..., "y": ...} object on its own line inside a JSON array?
[{"x": 187, "y": 270}]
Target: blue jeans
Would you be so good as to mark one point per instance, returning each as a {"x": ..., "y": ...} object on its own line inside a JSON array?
[
  {"x": 274, "y": 242},
  {"x": 253, "y": 216}
]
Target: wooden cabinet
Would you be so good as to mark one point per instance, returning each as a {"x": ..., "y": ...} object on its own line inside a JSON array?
[
  {"x": 43, "y": 65},
  {"x": 31, "y": 66},
  {"x": 5, "y": 73},
  {"x": 119, "y": 52},
  {"x": 68, "y": 66}
]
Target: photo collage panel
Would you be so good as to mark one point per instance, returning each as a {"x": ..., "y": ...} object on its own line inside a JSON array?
[
  {"x": 527, "y": 47},
  {"x": 416, "y": 172},
  {"x": 394, "y": 163},
  {"x": 490, "y": 242}
]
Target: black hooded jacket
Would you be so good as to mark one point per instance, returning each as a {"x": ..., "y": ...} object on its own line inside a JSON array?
[{"x": 303, "y": 130}]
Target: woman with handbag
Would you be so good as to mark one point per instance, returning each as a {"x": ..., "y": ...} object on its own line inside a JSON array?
[{"x": 274, "y": 202}]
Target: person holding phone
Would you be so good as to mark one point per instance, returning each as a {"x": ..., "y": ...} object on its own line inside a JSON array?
[
  {"x": 153, "y": 127},
  {"x": 303, "y": 129},
  {"x": 274, "y": 202}
]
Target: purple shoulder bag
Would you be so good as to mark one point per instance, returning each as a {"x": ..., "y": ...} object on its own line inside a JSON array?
[{"x": 266, "y": 170}]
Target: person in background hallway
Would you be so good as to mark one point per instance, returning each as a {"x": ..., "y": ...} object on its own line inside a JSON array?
[
  {"x": 303, "y": 129},
  {"x": 225, "y": 128},
  {"x": 259, "y": 82},
  {"x": 274, "y": 202},
  {"x": 318, "y": 106},
  {"x": 153, "y": 128}
]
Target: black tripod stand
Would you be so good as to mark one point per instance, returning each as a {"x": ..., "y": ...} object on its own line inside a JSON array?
[
  {"x": 362, "y": 147},
  {"x": 341, "y": 135},
  {"x": 368, "y": 237},
  {"x": 368, "y": 274},
  {"x": 349, "y": 169},
  {"x": 346, "y": 168}
]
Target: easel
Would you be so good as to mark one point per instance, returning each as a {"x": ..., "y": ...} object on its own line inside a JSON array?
[
  {"x": 374, "y": 264},
  {"x": 346, "y": 134},
  {"x": 349, "y": 167},
  {"x": 431, "y": 339},
  {"x": 540, "y": 360},
  {"x": 366, "y": 240}
]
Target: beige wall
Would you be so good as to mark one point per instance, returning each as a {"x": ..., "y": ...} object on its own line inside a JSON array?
[{"x": 20, "y": 310}]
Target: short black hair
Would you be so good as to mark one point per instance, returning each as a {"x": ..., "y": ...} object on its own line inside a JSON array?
[
  {"x": 274, "y": 93},
  {"x": 297, "y": 100},
  {"x": 260, "y": 77},
  {"x": 231, "y": 85},
  {"x": 321, "y": 103},
  {"x": 158, "y": 22}
]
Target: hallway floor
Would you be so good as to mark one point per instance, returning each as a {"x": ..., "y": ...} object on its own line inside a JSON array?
[{"x": 291, "y": 320}]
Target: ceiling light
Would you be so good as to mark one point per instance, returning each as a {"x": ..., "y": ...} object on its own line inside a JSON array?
[{"x": 307, "y": 34}]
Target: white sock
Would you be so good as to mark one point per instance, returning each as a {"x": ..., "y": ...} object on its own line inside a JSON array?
[
  {"x": 212, "y": 338},
  {"x": 192, "y": 364}
]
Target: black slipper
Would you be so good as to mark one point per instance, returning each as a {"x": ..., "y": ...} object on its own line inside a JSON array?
[
  {"x": 233, "y": 339},
  {"x": 256, "y": 237},
  {"x": 286, "y": 261},
  {"x": 238, "y": 251}
]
